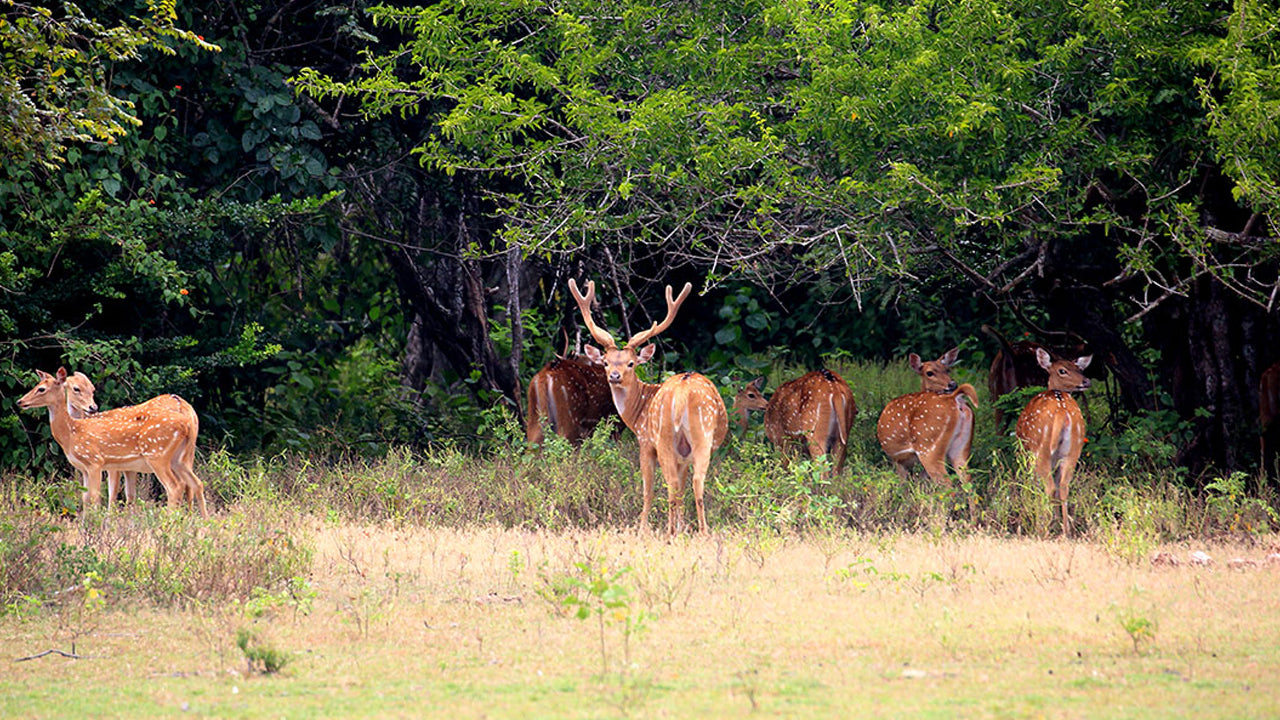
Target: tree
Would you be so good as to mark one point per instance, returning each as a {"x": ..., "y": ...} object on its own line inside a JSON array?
[{"x": 1097, "y": 162}]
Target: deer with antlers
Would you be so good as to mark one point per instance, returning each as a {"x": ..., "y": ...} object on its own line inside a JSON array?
[
  {"x": 1268, "y": 411},
  {"x": 816, "y": 408},
  {"x": 157, "y": 436},
  {"x": 571, "y": 394},
  {"x": 1051, "y": 428},
  {"x": 679, "y": 423},
  {"x": 932, "y": 426}
]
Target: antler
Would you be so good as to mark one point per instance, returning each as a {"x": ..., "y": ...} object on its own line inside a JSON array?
[
  {"x": 672, "y": 306},
  {"x": 584, "y": 304}
]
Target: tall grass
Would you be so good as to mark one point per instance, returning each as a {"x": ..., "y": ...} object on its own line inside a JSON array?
[{"x": 259, "y": 537}]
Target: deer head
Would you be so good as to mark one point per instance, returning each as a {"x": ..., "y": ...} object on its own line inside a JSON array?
[
  {"x": 935, "y": 375},
  {"x": 1065, "y": 375},
  {"x": 620, "y": 364},
  {"x": 75, "y": 390}
]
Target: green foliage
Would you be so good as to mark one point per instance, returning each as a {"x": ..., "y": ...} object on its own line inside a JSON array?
[
  {"x": 1230, "y": 510},
  {"x": 262, "y": 658},
  {"x": 163, "y": 557},
  {"x": 54, "y": 79}
]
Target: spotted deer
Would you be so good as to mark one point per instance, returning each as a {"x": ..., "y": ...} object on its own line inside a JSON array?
[
  {"x": 678, "y": 423},
  {"x": 569, "y": 394},
  {"x": 932, "y": 426},
  {"x": 1268, "y": 411},
  {"x": 156, "y": 436},
  {"x": 1051, "y": 428},
  {"x": 816, "y": 408}
]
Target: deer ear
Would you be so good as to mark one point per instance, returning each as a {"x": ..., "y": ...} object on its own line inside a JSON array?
[
  {"x": 62, "y": 374},
  {"x": 759, "y": 383},
  {"x": 915, "y": 362},
  {"x": 1043, "y": 359},
  {"x": 42, "y": 375},
  {"x": 949, "y": 357},
  {"x": 593, "y": 354},
  {"x": 646, "y": 354},
  {"x": 1083, "y": 362}
]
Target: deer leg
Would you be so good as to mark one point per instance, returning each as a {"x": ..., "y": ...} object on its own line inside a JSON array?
[
  {"x": 902, "y": 469},
  {"x": 93, "y": 487},
  {"x": 935, "y": 467},
  {"x": 130, "y": 488},
  {"x": 113, "y": 487},
  {"x": 647, "y": 458},
  {"x": 673, "y": 474},
  {"x": 194, "y": 486},
  {"x": 1065, "y": 471},
  {"x": 701, "y": 462},
  {"x": 174, "y": 488}
]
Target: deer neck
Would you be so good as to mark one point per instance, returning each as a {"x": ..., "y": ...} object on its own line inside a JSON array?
[
  {"x": 63, "y": 426},
  {"x": 632, "y": 401}
]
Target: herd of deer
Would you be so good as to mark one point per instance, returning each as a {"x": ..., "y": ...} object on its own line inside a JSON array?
[{"x": 679, "y": 423}]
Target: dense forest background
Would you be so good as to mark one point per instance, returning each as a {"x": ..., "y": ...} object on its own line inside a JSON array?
[{"x": 339, "y": 227}]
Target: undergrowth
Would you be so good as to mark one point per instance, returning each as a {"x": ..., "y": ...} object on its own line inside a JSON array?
[{"x": 258, "y": 540}]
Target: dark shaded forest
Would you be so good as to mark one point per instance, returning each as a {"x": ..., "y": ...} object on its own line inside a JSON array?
[{"x": 342, "y": 227}]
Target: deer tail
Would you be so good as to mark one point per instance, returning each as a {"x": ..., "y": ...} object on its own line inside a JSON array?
[
  {"x": 967, "y": 390},
  {"x": 995, "y": 335}
]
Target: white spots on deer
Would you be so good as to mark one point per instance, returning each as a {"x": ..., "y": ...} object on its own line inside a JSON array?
[
  {"x": 931, "y": 427},
  {"x": 1052, "y": 429},
  {"x": 650, "y": 411},
  {"x": 158, "y": 435}
]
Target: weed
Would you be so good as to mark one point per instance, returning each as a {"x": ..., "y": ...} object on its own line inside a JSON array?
[
  {"x": 261, "y": 658},
  {"x": 1228, "y": 509},
  {"x": 598, "y": 592}
]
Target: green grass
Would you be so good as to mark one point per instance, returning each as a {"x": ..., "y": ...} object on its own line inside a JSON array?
[{"x": 946, "y": 625}]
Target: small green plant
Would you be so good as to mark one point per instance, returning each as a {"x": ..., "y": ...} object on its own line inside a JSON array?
[
  {"x": 1232, "y": 510},
  {"x": 1140, "y": 628},
  {"x": 599, "y": 593},
  {"x": 262, "y": 658}
]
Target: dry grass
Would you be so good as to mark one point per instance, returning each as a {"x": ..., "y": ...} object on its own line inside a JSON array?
[{"x": 466, "y": 623}]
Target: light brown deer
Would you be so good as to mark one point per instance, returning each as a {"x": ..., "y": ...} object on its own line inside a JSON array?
[
  {"x": 1268, "y": 411},
  {"x": 816, "y": 408},
  {"x": 157, "y": 436},
  {"x": 932, "y": 426},
  {"x": 79, "y": 410},
  {"x": 679, "y": 423},
  {"x": 1051, "y": 428},
  {"x": 572, "y": 395}
]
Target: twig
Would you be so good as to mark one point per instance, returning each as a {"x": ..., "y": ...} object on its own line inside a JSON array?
[{"x": 63, "y": 653}]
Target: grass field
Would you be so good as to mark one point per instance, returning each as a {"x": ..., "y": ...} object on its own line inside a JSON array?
[
  {"x": 499, "y": 582},
  {"x": 485, "y": 623}
]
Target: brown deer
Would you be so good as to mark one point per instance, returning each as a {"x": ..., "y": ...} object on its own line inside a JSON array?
[
  {"x": 1051, "y": 428},
  {"x": 1015, "y": 366},
  {"x": 572, "y": 395},
  {"x": 157, "y": 436},
  {"x": 931, "y": 426},
  {"x": 78, "y": 411},
  {"x": 679, "y": 423},
  {"x": 816, "y": 408},
  {"x": 1268, "y": 410}
]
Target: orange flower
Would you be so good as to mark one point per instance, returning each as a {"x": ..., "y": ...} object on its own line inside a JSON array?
[
  {"x": 177, "y": 87},
  {"x": 183, "y": 291}
]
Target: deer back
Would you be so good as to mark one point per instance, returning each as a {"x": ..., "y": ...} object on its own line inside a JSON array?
[
  {"x": 924, "y": 421},
  {"x": 683, "y": 413},
  {"x": 572, "y": 394},
  {"x": 165, "y": 426},
  {"x": 815, "y": 404}
]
